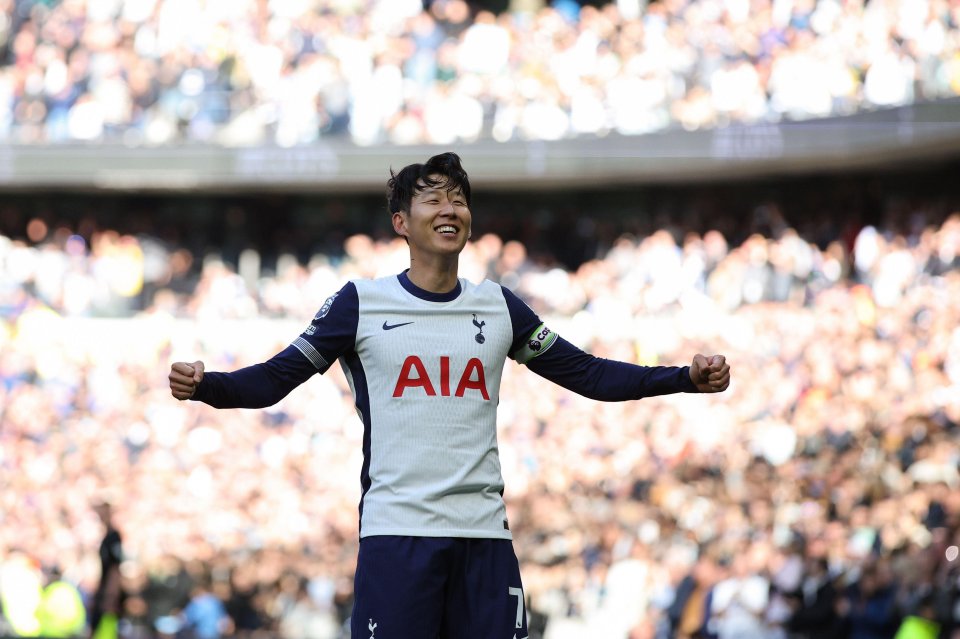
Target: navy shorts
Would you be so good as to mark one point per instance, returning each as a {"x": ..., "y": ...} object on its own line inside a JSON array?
[{"x": 437, "y": 588}]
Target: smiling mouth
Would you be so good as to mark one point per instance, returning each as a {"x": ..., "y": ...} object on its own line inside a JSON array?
[{"x": 446, "y": 229}]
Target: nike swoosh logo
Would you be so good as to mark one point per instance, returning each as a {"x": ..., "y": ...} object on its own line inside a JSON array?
[{"x": 390, "y": 327}]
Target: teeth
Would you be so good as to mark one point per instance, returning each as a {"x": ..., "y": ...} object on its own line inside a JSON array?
[{"x": 446, "y": 229}]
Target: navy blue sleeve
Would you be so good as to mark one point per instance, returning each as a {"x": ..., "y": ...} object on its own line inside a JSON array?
[
  {"x": 332, "y": 333},
  {"x": 256, "y": 386},
  {"x": 555, "y": 359},
  {"x": 606, "y": 379}
]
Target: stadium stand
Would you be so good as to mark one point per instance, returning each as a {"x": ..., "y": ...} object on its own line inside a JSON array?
[
  {"x": 825, "y": 480},
  {"x": 837, "y": 441},
  {"x": 243, "y": 73}
]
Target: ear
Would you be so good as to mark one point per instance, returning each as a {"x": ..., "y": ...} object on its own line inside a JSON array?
[{"x": 399, "y": 220}]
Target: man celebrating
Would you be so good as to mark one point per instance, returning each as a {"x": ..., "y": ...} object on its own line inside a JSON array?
[{"x": 423, "y": 352}]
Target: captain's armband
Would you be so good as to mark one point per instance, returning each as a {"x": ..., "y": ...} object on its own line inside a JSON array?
[{"x": 537, "y": 344}]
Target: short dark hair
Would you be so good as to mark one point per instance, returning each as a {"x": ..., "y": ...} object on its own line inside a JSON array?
[{"x": 413, "y": 178}]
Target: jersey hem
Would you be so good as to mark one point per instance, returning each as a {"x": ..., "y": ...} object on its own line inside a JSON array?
[{"x": 440, "y": 532}]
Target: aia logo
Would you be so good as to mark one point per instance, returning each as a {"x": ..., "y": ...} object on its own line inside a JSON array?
[{"x": 413, "y": 374}]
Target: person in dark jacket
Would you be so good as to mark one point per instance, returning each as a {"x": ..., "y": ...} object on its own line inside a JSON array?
[
  {"x": 107, "y": 603},
  {"x": 869, "y": 606},
  {"x": 814, "y": 613}
]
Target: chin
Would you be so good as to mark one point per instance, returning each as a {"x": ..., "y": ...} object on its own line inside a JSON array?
[{"x": 453, "y": 246}]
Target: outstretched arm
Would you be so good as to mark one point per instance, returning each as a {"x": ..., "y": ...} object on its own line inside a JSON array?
[
  {"x": 552, "y": 357},
  {"x": 611, "y": 380},
  {"x": 332, "y": 332},
  {"x": 255, "y": 386}
]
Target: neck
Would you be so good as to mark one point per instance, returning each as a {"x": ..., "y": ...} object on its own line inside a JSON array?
[{"x": 437, "y": 277}]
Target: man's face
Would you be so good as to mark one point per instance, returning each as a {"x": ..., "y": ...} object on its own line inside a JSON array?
[
  {"x": 438, "y": 221},
  {"x": 103, "y": 512}
]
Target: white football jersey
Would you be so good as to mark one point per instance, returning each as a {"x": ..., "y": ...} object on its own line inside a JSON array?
[{"x": 425, "y": 372}]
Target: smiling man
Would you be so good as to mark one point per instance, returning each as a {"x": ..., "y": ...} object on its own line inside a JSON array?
[{"x": 423, "y": 352}]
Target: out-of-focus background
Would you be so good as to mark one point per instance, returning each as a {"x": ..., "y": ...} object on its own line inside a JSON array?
[{"x": 775, "y": 180}]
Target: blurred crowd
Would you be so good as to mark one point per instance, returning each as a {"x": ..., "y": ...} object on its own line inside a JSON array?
[
  {"x": 243, "y": 72},
  {"x": 818, "y": 497}
]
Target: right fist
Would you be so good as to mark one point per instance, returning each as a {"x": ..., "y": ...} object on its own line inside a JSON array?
[{"x": 184, "y": 379}]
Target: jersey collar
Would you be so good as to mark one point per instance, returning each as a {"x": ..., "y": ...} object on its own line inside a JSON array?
[{"x": 429, "y": 296}]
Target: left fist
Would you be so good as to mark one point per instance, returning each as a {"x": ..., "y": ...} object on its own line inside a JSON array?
[{"x": 710, "y": 374}]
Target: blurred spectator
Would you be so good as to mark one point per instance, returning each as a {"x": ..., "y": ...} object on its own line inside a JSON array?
[
  {"x": 61, "y": 612},
  {"x": 868, "y": 608},
  {"x": 814, "y": 603},
  {"x": 21, "y": 591},
  {"x": 921, "y": 624},
  {"x": 305, "y": 618},
  {"x": 205, "y": 616},
  {"x": 166, "y": 588},
  {"x": 108, "y": 599},
  {"x": 244, "y": 603}
]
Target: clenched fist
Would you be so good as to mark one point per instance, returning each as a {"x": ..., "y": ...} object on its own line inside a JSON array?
[
  {"x": 184, "y": 379},
  {"x": 710, "y": 374}
]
